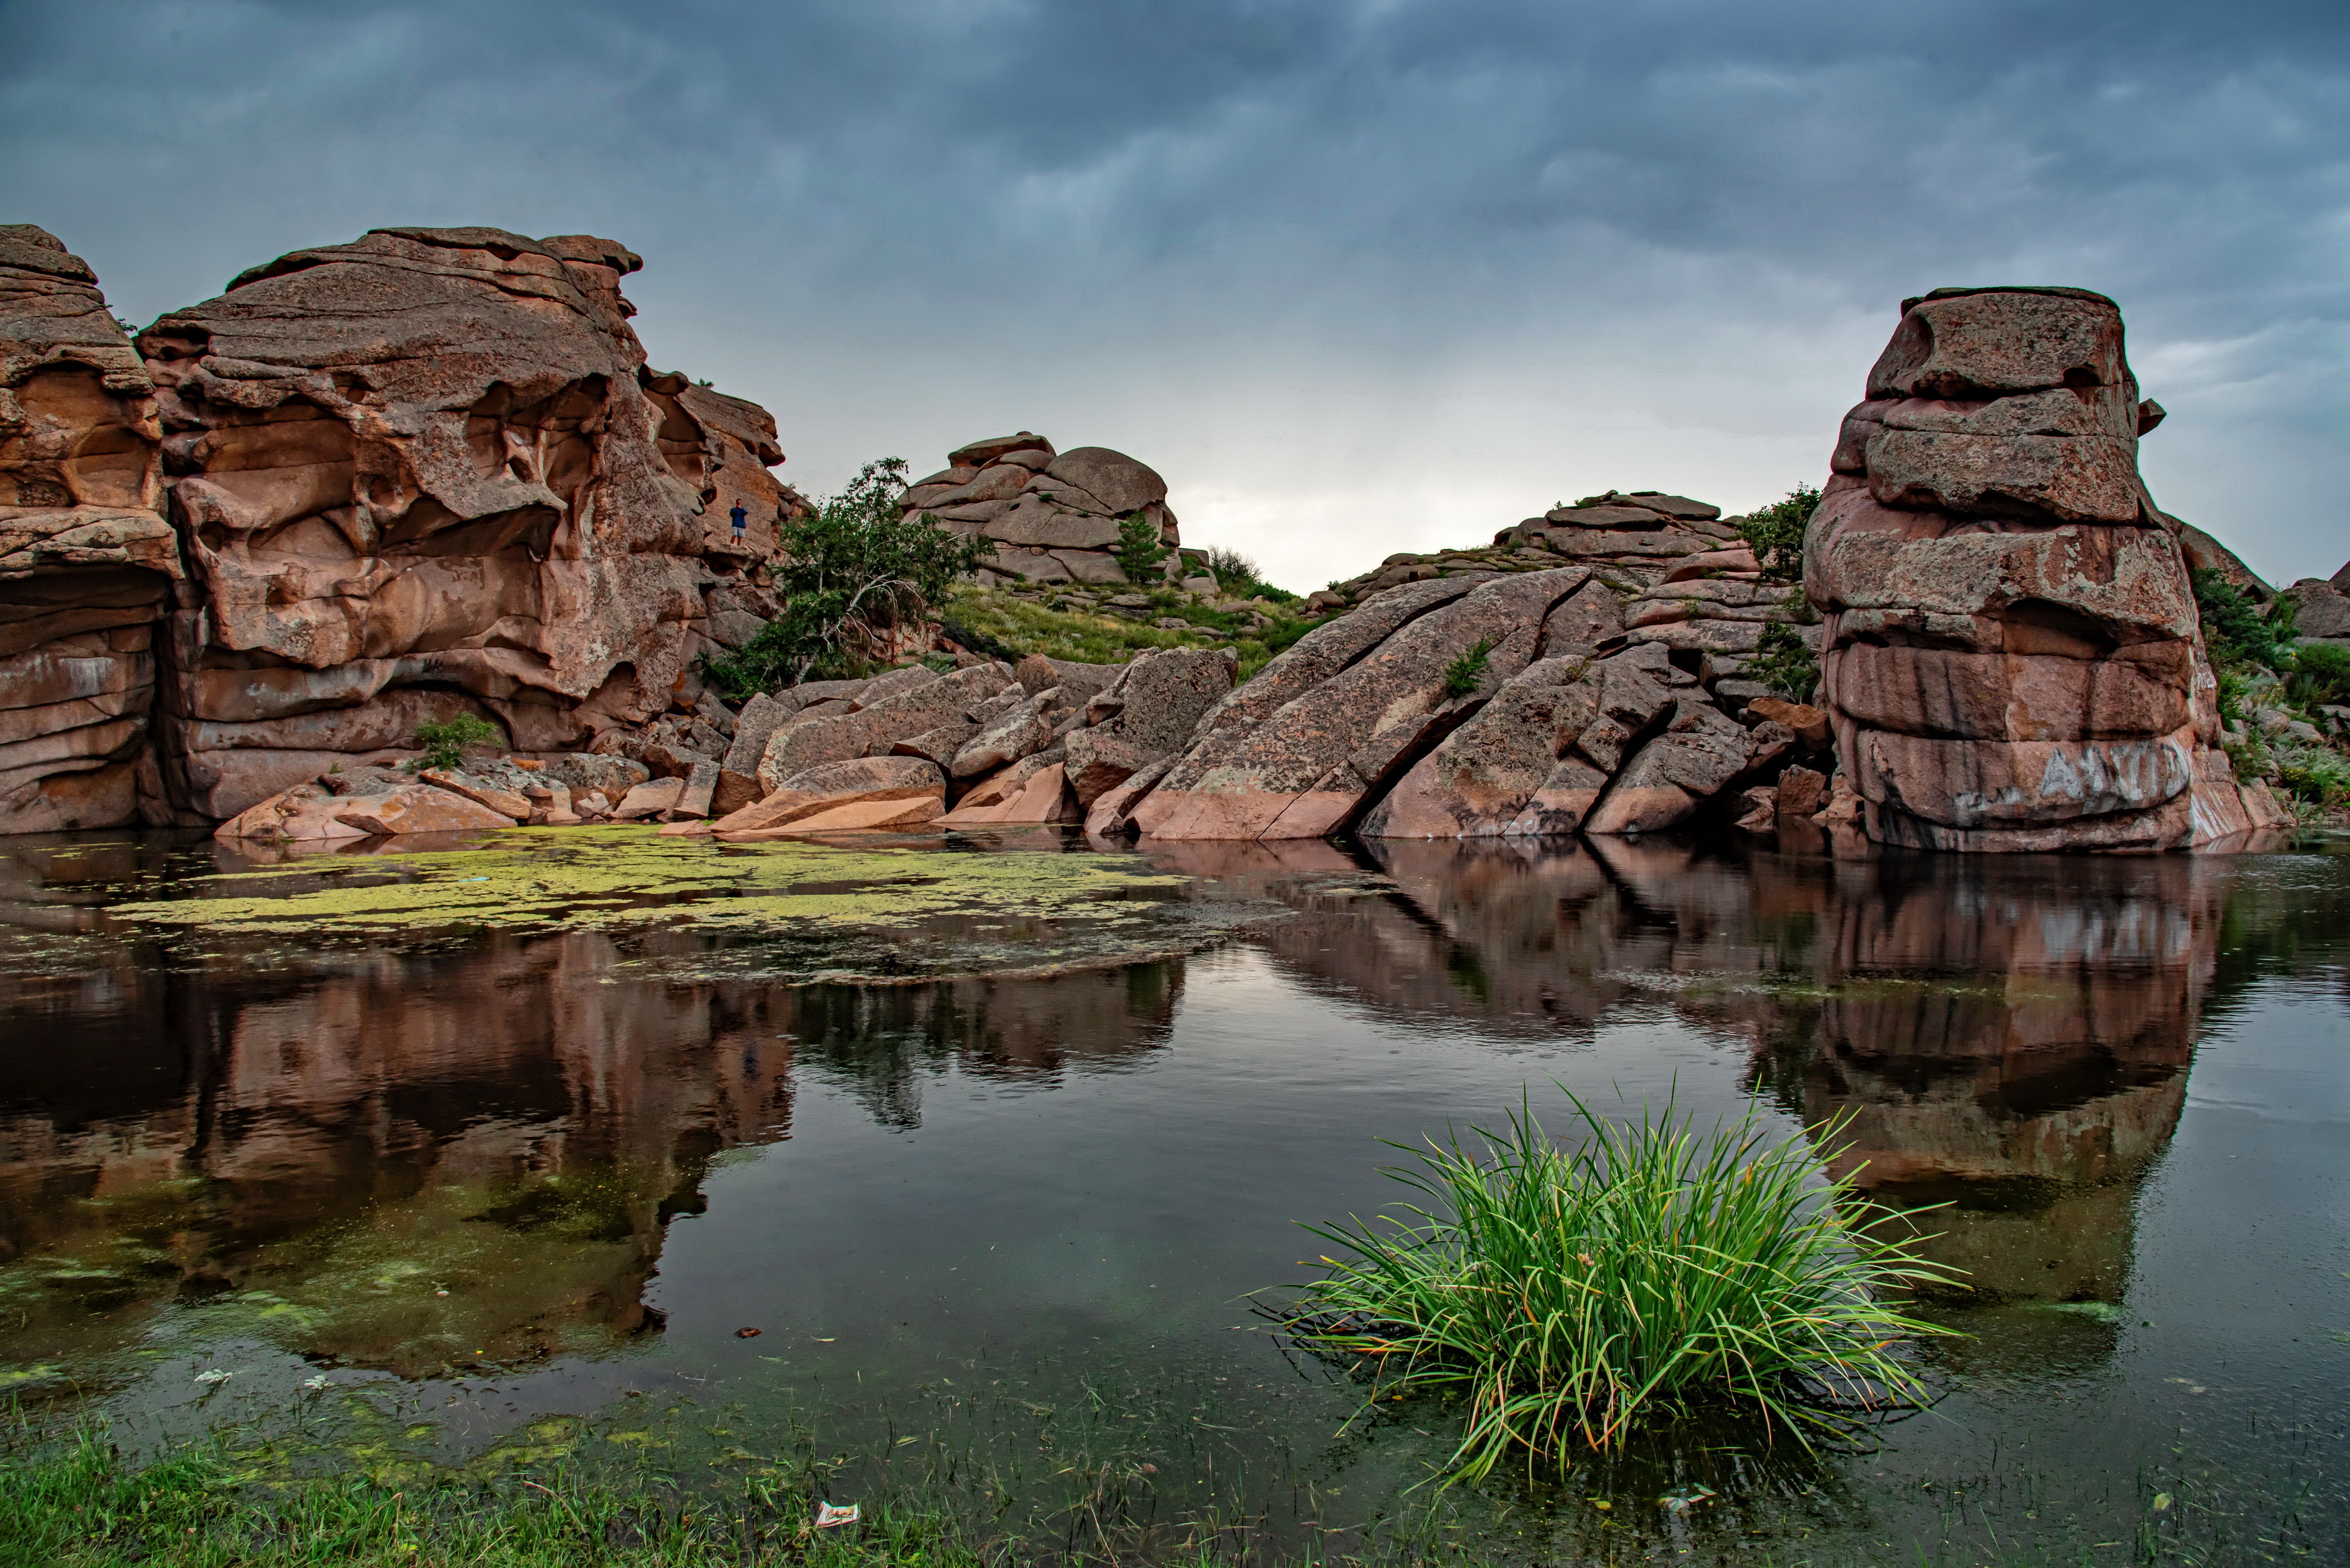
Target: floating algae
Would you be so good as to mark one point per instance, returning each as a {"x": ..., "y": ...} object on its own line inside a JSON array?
[
  {"x": 598, "y": 877},
  {"x": 779, "y": 912}
]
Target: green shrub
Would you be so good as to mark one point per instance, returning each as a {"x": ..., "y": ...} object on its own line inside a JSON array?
[
  {"x": 1572, "y": 1296},
  {"x": 2320, "y": 674},
  {"x": 1775, "y": 533},
  {"x": 853, "y": 571},
  {"x": 2234, "y": 628},
  {"x": 1238, "y": 576},
  {"x": 444, "y": 744},
  {"x": 1139, "y": 550},
  {"x": 1466, "y": 673},
  {"x": 2316, "y": 776},
  {"x": 1781, "y": 663}
]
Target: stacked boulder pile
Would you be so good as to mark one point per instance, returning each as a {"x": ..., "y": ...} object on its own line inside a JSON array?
[
  {"x": 987, "y": 745},
  {"x": 1052, "y": 516},
  {"x": 2013, "y": 654},
  {"x": 1681, "y": 576},
  {"x": 372, "y": 486}
]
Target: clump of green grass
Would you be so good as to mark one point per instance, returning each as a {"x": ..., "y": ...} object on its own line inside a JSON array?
[
  {"x": 84, "y": 1504},
  {"x": 1573, "y": 1294},
  {"x": 1009, "y": 627}
]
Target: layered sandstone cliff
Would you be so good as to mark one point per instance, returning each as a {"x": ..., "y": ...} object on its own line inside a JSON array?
[
  {"x": 2013, "y": 658},
  {"x": 429, "y": 473},
  {"x": 86, "y": 562}
]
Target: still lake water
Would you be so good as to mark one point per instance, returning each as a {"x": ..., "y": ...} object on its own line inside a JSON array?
[{"x": 514, "y": 1191}]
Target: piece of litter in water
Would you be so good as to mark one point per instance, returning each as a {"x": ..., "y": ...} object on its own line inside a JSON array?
[
  {"x": 318, "y": 1384},
  {"x": 746, "y": 1333},
  {"x": 1686, "y": 1499},
  {"x": 827, "y": 1516},
  {"x": 2161, "y": 1500},
  {"x": 214, "y": 1375},
  {"x": 821, "y": 1339}
]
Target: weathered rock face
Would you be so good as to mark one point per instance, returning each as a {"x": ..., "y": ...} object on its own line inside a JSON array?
[
  {"x": 1306, "y": 767},
  {"x": 86, "y": 562},
  {"x": 2012, "y": 659},
  {"x": 428, "y": 472},
  {"x": 1053, "y": 517}
]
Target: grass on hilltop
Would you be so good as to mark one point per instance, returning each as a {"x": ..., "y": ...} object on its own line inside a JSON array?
[
  {"x": 1570, "y": 1295},
  {"x": 996, "y": 622}
]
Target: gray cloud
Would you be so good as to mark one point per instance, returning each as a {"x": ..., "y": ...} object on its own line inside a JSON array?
[{"x": 1357, "y": 277}]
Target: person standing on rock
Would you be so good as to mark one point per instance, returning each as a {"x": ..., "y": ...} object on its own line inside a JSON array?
[{"x": 742, "y": 515}]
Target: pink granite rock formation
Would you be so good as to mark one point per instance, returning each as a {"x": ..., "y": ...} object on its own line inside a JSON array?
[
  {"x": 2012, "y": 654},
  {"x": 87, "y": 561},
  {"x": 1052, "y": 517},
  {"x": 429, "y": 473}
]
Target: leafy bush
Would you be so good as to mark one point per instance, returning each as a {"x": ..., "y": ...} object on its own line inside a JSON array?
[
  {"x": 1573, "y": 1294},
  {"x": 1782, "y": 662},
  {"x": 1775, "y": 533},
  {"x": 1238, "y": 576},
  {"x": 2235, "y": 630},
  {"x": 854, "y": 574},
  {"x": 2315, "y": 774},
  {"x": 444, "y": 744},
  {"x": 2320, "y": 674},
  {"x": 1466, "y": 673},
  {"x": 1139, "y": 550}
]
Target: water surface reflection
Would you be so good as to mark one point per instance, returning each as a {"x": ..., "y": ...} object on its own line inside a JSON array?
[{"x": 487, "y": 1152}]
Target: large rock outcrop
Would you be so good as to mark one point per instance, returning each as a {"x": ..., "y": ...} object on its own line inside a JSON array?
[
  {"x": 87, "y": 561},
  {"x": 1052, "y": 516},
  {"x": 2012, "y": 654},
  {"x": 429, "y": 473}
]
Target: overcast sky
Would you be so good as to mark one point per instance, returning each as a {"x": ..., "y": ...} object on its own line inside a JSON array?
[{"x": 1356, "y": 277}]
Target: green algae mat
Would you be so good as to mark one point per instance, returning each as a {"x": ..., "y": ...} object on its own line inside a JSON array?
[{"x": 784, "y": 910}]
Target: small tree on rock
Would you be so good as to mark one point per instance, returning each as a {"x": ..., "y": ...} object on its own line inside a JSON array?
[
  {"x": 855, "y": 574},
  {"x": 1138, "y": 549}
]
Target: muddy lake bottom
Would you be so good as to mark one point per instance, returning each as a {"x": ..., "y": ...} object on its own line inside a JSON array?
[{"x": 481, "y": 1156}]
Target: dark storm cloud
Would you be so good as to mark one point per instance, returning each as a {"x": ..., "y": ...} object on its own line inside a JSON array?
[{"x": 1271, "y": 246}]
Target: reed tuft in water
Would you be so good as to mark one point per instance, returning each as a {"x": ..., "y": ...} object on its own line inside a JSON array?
[{"x": 1571, "y": 1294}]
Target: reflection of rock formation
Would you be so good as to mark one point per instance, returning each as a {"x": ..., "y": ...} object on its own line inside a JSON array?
[
  {"x": 327, "y": 1150},
  {"x": 2016, "y": 1045},
  {"x": 85, "y": 559},
  {"x": 2010, "y": 1036}
]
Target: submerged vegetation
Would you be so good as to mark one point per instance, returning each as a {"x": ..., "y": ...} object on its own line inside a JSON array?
[
  {"x": 790, "y": 911},
  {"x": 1572, "y": 1296}
]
